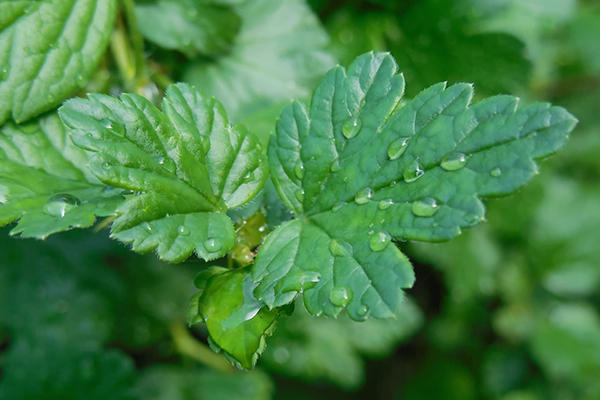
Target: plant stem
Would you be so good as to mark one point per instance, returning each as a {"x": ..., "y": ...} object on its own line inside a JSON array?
[
  {"x": 187, "y": 345},
  {"x": 123, "y": 56},
  {"x": 137, "y": 42}
]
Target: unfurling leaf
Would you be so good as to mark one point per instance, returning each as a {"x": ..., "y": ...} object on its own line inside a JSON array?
[
  {"x": 361, "y": 167},
  {"x": 187, "y": 165}
]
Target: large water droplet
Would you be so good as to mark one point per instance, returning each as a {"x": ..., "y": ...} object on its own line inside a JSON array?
[
  {"x": 299, "y": 169},
  {"x": 299, "y": 193},
  {"x": 183, "y": 230},
  {"x": 379, "y": 241},
  {"x": 167, "y": 163},
  {"x": 363, "y": 196},
  {"x": 106, "y": 123},
  {"x": 340, "y": 249},
  {"x": 426, "y": 207},
  {"x": 60, "y": 204},
  {"x": 397, "y": 147},
  {"x": 212, "y": 245},
  {"x": 385, "y": 204},
  {"x": 249, "y": 177},
  {"x": 496, "y": 172},
  {"x": 362, "y": 310},
  {"x": 413, "y": 171},
  {"x": 454, "y": 161},
  {"x": 335, "y": 166},
  {"x": 341, "y": 296},
  {"x": 352, "y": 127}
]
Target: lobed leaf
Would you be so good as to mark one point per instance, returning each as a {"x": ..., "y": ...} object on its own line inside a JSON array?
[
  {"x": 48, "y": 50},
  {"x": 187, "y": 165},
  {"x": 44, "y": 182},
  {"x": 360, "y": 168}
]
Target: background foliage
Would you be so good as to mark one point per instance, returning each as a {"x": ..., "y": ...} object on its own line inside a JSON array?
[{"x": 509, "y": 310}]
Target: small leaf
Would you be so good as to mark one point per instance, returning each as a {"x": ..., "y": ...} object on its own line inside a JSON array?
[
  {"x": 188, "y": 26},
  {"x": 187, "y": 165},
  {"x": 44, "y": 182},
  {"x": 48, "y": 50},
  {"x": 237, "y": 322},
  {"x": 357, "y": 194}
]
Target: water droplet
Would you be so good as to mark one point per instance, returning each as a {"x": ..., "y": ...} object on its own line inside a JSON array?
[
  {"x": 50, "y": 98},
  {"x": 212, "y": 245},
  {"x": 147, "y": 226},
  {"x": 339, "y": 205},
  {"x": 3, "y": 74},
  {"x": 106, "y": 123},
  {"x": 167, "y": 163},
  {"x": 363, "y": 102},
  {"x": 61, "y": 204},
  {"x": 341, "y": 296},
  {"x": 299, "y": 193},
  {"x": 426, "y": 207},
  {"x": 385, "y": 204},
  {"x": 183, "y": 230},
  {"x": 454, "y": 161},
  {"x": 397, "y": 147},
  {"x": 352, "y": 127},
  {"x": 335, "y": 166},
  {"x": 496, "y": 172},
  {"x": 299, "y": 169},
  {"x": 80, "y": 80},
  {"x": 105, "y": 165},
  {"x": 413, "y": 171},
  {"x": 363, "y": 196},
  {"x": 379, "y": 241},
  {"x": 340, "y": 249},
  {"x": 362, "y": 310}
]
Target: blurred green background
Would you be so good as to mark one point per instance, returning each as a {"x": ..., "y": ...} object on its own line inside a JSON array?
[{"x": 510, "y": 310}]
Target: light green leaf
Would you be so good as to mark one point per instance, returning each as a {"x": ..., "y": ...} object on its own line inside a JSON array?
[
  {"x": 44, "y": 182},
  {"x": 360, "y": 167},
  {"x": 48, "y": 50},
  {"x": 277, "y": 55},
  {"x": 237, "y": 322},
  {"x": 188, "y": 165},
  {"x": 189, "y": 26}
]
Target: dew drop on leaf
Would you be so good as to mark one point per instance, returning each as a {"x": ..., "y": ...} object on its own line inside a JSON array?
[
  {"x": 413, "y": 171},
  {"x": 212, "y": 245},
  {"x": 167, "y": 163},
  {"x": 352, "y": 127},
  {"x": 363, "y": 196},
  {"x": 248, "y": 177},
  {"x": 385, "y": 204},
  {"x": 339, "y": 205},
  {"x": 362, "y": 310},
  {"x": 50, "y": 98},
  {"x": 496, "y": 172},
  {"x": 340, "y": 249},
  {"x": 147, "y": 226},
  {"x": 335, "y": 166},
  {"x": 183, "y": 230},
  {"x": 299, "y": 193},
  {"x": 426, "y": 207},
  {"x": 299, "y": 169},
  {"x": 60, "y": 204},
  {"x": 454, "y": 161},
  {"x": 3, "y": 74},
  {"x": 106, "y": 123},
  {"x": 397, "y": 147},
  {"x": 341, "y": 296},
  {"x": 379, "y": 241}
]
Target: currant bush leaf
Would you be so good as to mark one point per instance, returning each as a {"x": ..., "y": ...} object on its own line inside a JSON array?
[
  {"x": 187, "y": 164},
  {"x": 191, "y": 27},
  {"x": 360, "y": 168},
  {"x": 48, "y": 50},
  {"x": 237, "y": 322},
  {"x": 278, "y": 55},
  {"x": 44, "y": 182}
]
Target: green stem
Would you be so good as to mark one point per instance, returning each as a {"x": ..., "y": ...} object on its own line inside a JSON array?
[
  {"x": 187, "y": 345},
  {"x": 123, "y": 56},
  {"x": 137, "y": 41}
]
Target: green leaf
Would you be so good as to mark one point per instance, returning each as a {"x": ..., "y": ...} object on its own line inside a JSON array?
[
  {"x": 48, "y": 50},
  {"x": 360, "y": 167},
  {"x": 164, "y": 382},
  {"x": 187, "y": 165},
  {"x": 188, "y": 26},
  {"x": 278, "y": 55},
  {"x": 237, "y": 322},
  {"x": 316, "y": 349},
  {"x": 44, "y": 181}
]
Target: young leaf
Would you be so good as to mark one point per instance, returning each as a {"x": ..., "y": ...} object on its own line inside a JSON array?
[
  {"x": 189, "y": 26},
  {"x": 237, "y": 322},
  {"x": 278, "y": 55},
  {"x": 187, "y": 164},
  {"x": 360, "y": 168},
  {"x": 44, "y": 182},
  {"x": 48, "y": 49}
]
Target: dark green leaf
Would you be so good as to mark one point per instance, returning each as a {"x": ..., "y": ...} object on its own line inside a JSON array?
[
  {"x": 360, "y": 167},
  {"x": 187, "y": 164}
]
